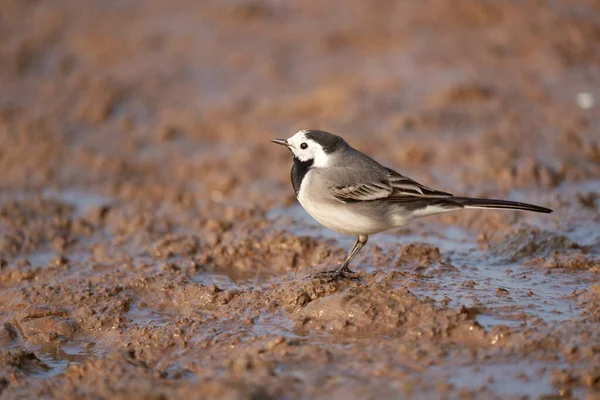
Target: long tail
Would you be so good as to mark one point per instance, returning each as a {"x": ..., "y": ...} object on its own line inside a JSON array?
[{"x": 469, "y": 202}]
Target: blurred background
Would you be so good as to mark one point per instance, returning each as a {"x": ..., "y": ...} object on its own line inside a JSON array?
[
  {"x": 149, "y": 231},
  {"x": 486, "y": 94}
]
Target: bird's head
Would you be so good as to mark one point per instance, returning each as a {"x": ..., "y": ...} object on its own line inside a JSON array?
[{"x": 313, "y": 145}]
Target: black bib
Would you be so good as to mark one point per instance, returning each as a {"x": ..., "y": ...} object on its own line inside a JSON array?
[{"x": 299, "y": 171}]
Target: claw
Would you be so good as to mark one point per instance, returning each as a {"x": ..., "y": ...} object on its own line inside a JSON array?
[
  {"x": 343, "y": 272},
  {"x": 335, "y": 275}
]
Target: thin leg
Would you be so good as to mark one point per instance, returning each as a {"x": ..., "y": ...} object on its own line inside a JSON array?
[
  {"x": 343, "y": 270},
  {"x": 361, "y": 240}
]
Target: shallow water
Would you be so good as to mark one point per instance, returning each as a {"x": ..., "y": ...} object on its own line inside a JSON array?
[
  {"x": 60, "y": 357},
  {"x": 506, "y": 380},
  {"x": 82, "y": 201}
]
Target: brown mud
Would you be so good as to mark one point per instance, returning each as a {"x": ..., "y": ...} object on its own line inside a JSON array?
[{"x": 151, "y": 246}]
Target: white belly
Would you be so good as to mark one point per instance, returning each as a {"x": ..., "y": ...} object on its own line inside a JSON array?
[
  {"x": 340, "y": 217},
  {"x": 340, "y": 220}
]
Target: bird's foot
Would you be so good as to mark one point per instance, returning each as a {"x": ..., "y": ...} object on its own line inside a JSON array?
[{"x": 335, "y": 275}]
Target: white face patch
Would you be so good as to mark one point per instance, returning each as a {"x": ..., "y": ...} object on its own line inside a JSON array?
[{"x": 306, "y": 149}]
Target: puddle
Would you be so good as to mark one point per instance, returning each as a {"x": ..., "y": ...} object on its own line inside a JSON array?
[
  {"x": 42, "y": 258},
  {"x": 505, "y": 380},
  {"x": 509, "y": 291},
  {"x": 516, "y": 292},
  {"x": 82, "y": 201},
  {"x": 147, "y": 316},
  {"x": 489, "y": 321},
  {"x": 56, "y": 357},
  {"x": 276, "y": 324},
  {"x": 59, "y": 357}
]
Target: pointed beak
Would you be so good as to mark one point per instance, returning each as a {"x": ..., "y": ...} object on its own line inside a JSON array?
[{"x": 282, "y": 142}]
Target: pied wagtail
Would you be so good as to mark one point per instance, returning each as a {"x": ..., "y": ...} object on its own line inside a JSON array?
[{"x": 352, "y": 194}]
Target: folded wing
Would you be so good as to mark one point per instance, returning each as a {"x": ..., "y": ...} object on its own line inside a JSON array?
[{"x": 393, "y": 187}]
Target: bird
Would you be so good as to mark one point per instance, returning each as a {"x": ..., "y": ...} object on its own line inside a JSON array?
[{"x": 352, "y": 194}]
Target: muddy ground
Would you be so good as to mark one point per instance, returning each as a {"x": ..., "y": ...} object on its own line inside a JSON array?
[{"x": 151, "y": 245}]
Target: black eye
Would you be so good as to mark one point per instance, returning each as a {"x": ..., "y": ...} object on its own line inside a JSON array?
[{"x": 303, "y": 145}]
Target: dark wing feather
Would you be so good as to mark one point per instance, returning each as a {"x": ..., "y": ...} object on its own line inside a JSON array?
[
  {"x": 394, "y": 187},
  {"x": 407, "y": 188},
  {"x": 363, "y": 192}
]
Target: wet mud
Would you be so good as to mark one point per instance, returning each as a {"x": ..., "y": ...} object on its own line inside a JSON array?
[{"x": 151, "y": 245}]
